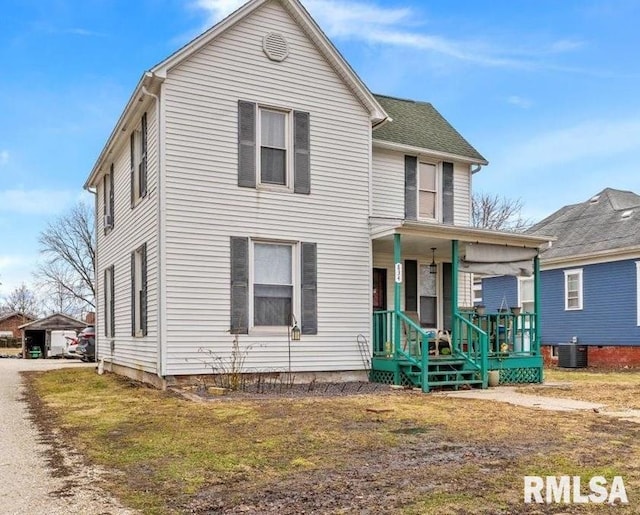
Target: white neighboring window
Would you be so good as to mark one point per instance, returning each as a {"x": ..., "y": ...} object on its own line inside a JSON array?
[
  {"x": 477, "y": 290},
  {"x": 573, "y": 289},
  {"x": 273, "y": 140},
  {"x": 273, "y": 284},
  {"x": 526, "y": 297},
  {"x": 427, "y": 190}
]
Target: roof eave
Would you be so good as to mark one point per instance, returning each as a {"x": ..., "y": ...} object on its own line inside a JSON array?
[
  {"x": 400, "y": 147},
  {"x": 630, "y": 252}
]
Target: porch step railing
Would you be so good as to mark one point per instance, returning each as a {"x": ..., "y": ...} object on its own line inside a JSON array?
[
  {"x": 471, "y": 343},
  {"x": 508, "y": 333},
  {"x": 396, "y": 334}
]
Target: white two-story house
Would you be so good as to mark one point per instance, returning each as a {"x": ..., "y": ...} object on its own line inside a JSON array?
[{"x": 254, "y": 190}]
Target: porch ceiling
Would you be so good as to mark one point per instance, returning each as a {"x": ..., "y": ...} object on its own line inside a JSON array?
[{"x": 419, "y": 237}]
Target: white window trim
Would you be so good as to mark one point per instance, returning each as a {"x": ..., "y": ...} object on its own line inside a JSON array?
[
  {"x": 138, "y": 286},
  {"x": 567, "y": 273},
  {"x": 295, "y": 301},
  {"x": 137, "y": 160},
  {"x": 638, "y": 293},
  {"x": 438, "y": 201},
  {"x": 520, "y": 300},
  {"x": 288, "y": 131},
  {"x": 108, "y": 313}
]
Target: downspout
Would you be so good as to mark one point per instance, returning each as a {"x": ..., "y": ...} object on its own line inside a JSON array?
[{"x": 161, "y": 331}]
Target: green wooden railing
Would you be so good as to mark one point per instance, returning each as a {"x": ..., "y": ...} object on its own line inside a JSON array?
[
  {"x": 472, "y": 343},
  {"x": 508, "y": 334},
  {"x": 397, "y": 336}
]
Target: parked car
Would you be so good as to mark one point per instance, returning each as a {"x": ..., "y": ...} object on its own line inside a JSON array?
[
  {"x": 86, "y": 349},
  {"x": 71, "y": 347}
]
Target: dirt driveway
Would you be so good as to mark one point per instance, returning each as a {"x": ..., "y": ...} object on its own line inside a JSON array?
[{"x": 37, "y": 477}]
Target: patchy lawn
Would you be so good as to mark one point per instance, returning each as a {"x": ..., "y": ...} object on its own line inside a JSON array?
[
  {"x": 615, "y": 389},
  {"x": 393, "y": 452}
]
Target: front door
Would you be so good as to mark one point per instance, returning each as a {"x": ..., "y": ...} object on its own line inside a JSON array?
[{"x": 379, "y": 289}]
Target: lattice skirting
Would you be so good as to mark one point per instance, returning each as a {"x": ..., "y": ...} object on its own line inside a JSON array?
[
  {"x": 520, "y": 375},
  {"x": 405, "y": 380},
  {"x": 381, "y": 376}
]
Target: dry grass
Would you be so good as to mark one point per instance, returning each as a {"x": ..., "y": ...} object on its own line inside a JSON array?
[
  {"x": 429, "y": 454},
  {"x": 10, "y": 351},
  {"x": 614, "y": 389}
]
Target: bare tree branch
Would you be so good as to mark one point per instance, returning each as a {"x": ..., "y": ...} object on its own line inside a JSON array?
[
  {"x": 68, "y": 248},
  {"x": 22, "y": 300},
  {"x": 498, "y": 213}
]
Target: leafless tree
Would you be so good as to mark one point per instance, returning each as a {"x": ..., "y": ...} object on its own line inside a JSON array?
[
  {"x": 498, "y": 213},
  {"x": 22, "y": 300},
  {"x": 68, "y": 248}
]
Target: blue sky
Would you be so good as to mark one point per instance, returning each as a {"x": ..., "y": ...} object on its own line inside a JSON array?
[{"x": 546, "y": 90}]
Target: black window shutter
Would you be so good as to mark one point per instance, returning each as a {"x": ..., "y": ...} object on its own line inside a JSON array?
[
  {"x": 132, "y": 156},
  {"x": 133, "y": 293},
  {"x": 143, "y": 294},
  {"x": 246, "y": 144},
  {"x": 447, "y": 193},
  {"x": 113, "y": 301},
  {"x": 410, "y": 188},
  {"x": 309, "y": 300},
  {"x": 301, "y": 154},
  {"x": 410, "y": 285},
  {"x": 143, "y": 156},
  {"x": 107, "y": 324},
  {"x": 239, "y": 285},
  {"x": 104, "y": 202},
  {"x": 111, "y": 197}
]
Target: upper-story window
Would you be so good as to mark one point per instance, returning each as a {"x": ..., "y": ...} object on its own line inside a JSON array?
[
  {"x": 138, "y": 152},
  {"x": 427, "y": 191},
  {"x": 274, "y": 138},
  {"x": 108, "y": 199},
  {"x": 573, "y": 289},
  {"x": 273, "y": 147}
]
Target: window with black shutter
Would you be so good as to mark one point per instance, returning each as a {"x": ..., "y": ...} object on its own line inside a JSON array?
[
  {"x": 109, "y": 302},
  {"x": 139, "y": 291},
  {"x": 138, "y": 142}
]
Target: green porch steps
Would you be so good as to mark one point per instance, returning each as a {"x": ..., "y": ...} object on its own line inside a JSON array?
[{"x": 451, "y": 373}]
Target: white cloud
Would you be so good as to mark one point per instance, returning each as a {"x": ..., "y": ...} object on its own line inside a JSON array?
[
  {"x": 388, "y": 26},
  {"x": 588, "y": 140},
  {"x": 4, "y": 157},
  {"x": 522, "y": 102},
  {"x": 36, "y": 202}
]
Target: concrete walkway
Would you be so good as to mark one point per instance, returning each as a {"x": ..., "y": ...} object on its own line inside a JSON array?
[
  {"x": 28, "y": 484},
  {"x": 510, "y": 395}
]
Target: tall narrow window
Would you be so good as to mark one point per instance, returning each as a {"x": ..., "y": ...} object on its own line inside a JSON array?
[
  {"x": 428, "y": 298},
  {"x": 109, "y": 303},
  {"x": 526, "y": 295},
  {"x": 273, "y": 147},
  {"x": 139, "y": 291},
  {"x": 272, "y": 284},
  {"x": 573, "y": 289},
  {"x": 138, "y": 157},
  {"x": 427, "y": 190}
]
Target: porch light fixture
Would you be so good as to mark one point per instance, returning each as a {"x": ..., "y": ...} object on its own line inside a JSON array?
[
  {"x": 433, "y": 268},
  {"x": 295, "y": 331}
]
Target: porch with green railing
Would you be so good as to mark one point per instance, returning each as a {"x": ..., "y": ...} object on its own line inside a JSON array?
[{"x": 406, "y": 354}]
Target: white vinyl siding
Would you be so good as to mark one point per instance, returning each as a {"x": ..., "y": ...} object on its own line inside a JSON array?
[
  {"x": 573, "y": 290},
  {"x": 461, "y": 194},
  {"x": 133, "y": 228},
  {"x": 205, "y": 207}
]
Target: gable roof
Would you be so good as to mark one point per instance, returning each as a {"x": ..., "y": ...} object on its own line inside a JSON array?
[
  {"x": 24, "y": 316},
  {"x": 150, "y": 79},
  {"x": 55, "y": 321},
  {"x": 595, "y": 226},
  {"x": 419, "y": 125}
]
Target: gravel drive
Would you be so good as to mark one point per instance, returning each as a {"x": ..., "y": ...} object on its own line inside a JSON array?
[{"x": 30, "y": 485}]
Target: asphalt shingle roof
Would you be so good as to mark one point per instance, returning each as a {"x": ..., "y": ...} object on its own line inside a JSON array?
[
  {"x": 418, "y": 124},
  {"x": 593, "y": 226}
]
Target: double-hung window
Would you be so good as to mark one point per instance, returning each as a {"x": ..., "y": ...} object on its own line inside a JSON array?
[
  {"x": 138, "y": 158},
  {"x": 139, "y": 291},
  {"x": 573, "y": 289},
  {"x": 274, "y": 157},
  {"x": 273, "y": 284},
  {"x": 427, "y": 191},
  {"x": 273, "y": 148}
]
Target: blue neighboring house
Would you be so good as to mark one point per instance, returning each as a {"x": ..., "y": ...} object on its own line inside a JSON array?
[{"x": 589, "y": 280}]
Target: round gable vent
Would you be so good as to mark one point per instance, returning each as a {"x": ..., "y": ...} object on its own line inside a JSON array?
[{"x": 275, "y": 46}]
